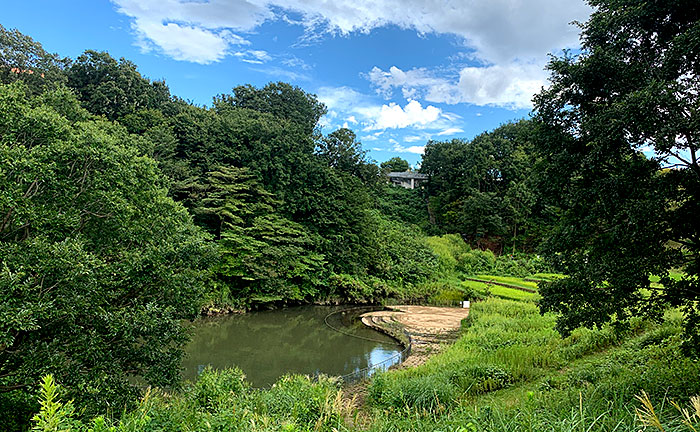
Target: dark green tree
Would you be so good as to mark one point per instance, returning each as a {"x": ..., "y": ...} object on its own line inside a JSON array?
[
  {"x": 395, "y": 164},
  {"x": 484, "y": 188},
  {"x": 341, "y": 151},
  {"x": 280, "y": 99},
  {"x": 634, "y": 87},
  {"x": 114, "y": 88},
  {"x": 98, "y": 267},
  {"x": 23, "y": 59}
]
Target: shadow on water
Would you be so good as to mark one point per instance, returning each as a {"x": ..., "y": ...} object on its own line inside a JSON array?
[{"x": 269, "y": 344}]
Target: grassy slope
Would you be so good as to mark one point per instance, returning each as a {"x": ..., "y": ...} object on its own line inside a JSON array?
[
  {"x": 511, "y": 372},
  {"x": 484, "y": 288}
]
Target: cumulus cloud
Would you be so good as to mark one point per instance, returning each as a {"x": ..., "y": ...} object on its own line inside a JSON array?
[
  {"x": 393, "y": 116},
  {"x": 183, "y": 42},
  {"x": 511, "y": 85},
  {"x": 371, "y": 116},
  {"x": 497, "y": 31}
]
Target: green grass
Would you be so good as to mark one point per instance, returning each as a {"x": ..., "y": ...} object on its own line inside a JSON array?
[
  {"x": 484, "y": 288},
  {"x": 515, "y": 281},
  {"x": 547, "y": 277},
  {"x": 511, "y": 372}
]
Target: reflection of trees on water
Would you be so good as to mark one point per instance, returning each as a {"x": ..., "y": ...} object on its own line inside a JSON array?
[{"x": 268, "y": 344}]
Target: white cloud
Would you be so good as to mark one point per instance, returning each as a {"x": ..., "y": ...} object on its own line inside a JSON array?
[
  {"x": 253, "y": 56},
  {"x": 510, "y": 86},
  {"x": 296, "y": 63},
  {"x": 451, "y": 131},
  {"x": 182, "y": 42},
  {"x": 413, "y": 138},
  {"x": 371, "y": 116},
  {"x": 392, "y": 116},
  {"x": 411, "y": 149},
  {"x": 498, "y": 31},
  {"x": 395, "y": 77},
  {"x": 282, "y": 73}
]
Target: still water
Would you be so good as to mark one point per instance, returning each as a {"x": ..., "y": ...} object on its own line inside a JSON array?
[{"x": 269, "y": 344}]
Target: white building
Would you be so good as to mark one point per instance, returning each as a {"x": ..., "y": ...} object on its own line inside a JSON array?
[{"x": 408, "y": 179}]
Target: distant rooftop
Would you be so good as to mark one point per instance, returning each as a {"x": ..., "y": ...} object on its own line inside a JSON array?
[{"x": 408, "y": 175}]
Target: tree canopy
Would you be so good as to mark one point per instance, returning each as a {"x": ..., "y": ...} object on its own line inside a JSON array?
[
  {"x": 625, "y": 215},
  {"x": 97, "y": 264},
  {"x": 395, "y": 164}
]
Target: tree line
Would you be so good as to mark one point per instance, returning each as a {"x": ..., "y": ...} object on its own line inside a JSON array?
[{"x": 125, "y": 209}]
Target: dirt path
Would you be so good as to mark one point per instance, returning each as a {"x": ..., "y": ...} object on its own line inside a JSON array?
[{"x": 430, "y": 327}]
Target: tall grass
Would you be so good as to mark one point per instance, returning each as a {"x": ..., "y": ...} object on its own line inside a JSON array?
[
  {"x": 511, "y": 372},
  {"x": 218, "y": 401}
]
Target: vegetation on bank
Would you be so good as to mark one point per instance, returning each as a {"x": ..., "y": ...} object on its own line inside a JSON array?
[
  {"x": 124, "y": 210},
  {"x": 509, "y": 371}
]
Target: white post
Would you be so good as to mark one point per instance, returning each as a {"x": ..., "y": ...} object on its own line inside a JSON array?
[{"x": 465, "y": 304}]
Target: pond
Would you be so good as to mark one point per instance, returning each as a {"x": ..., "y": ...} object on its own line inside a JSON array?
[{"x": 269, "y": 344}]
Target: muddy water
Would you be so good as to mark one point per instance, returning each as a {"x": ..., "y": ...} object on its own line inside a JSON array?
[{"x": 269, "y": 344}]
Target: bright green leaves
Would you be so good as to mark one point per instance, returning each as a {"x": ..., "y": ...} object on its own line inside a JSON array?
[
  {"x": 263, "y": 254},
  {"x": 97, "y": 265}
]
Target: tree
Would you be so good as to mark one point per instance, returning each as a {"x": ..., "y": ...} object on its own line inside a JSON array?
[
  {"x": 264, "y": 256},
  {"x": 395, "y": 164},
  {"x": 97, "y": 265},
  {"x": 114, "y": 88},
  {"x": 280, "y": 99},
  {"x": 341, "y": 151},
  {"x": 484, "y": 188},
  {"x": 23, "y": 59},
  {"x": 624, "y": 216}
]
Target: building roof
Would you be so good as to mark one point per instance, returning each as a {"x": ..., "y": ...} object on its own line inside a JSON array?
[{"x": 408, "y": 175}]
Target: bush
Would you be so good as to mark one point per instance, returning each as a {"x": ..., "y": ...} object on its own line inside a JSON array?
[
  {"x": 350, "y": 287},
  {"x": 421, "y": 392},
  {"x": 214, "y": 389}
]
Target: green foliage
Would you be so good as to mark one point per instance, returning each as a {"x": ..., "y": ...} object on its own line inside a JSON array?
[
  {"x": 25, "y": 60},
  {"x": 485, "y": 189},
  {"x": 113, "y": 88},
  {"x": 403, "y": 205},
  {"x": 395, "y": 164},
  {"x": 263, "y": 255},
  {"x": 633, "y": 87},
  {"x": 455, "y": 255},
  {"x": 282, "y": 100},
  {"x": 213, "y": 389},
  {"x": 220, "y": 400},
  {"x": 341, "y": 150},
  {"x": 97, "y": 265}
]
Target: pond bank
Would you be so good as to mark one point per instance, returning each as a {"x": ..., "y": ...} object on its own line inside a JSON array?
[{"x": 430, "y": 328}]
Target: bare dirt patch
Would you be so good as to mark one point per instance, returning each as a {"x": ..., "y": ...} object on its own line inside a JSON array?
[{"x": 430, "y": 327}]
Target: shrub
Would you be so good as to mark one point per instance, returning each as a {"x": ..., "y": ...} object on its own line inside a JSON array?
[{"x": 215, "y": 388}]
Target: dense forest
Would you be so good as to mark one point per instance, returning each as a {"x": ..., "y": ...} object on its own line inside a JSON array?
[{"x": 125, "y": 210}]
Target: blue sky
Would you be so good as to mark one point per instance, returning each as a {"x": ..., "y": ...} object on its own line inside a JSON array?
[{"x": 397, "y": 72}]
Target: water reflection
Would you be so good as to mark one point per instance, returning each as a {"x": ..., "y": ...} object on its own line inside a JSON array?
[{"x": 266, "y": 345}]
